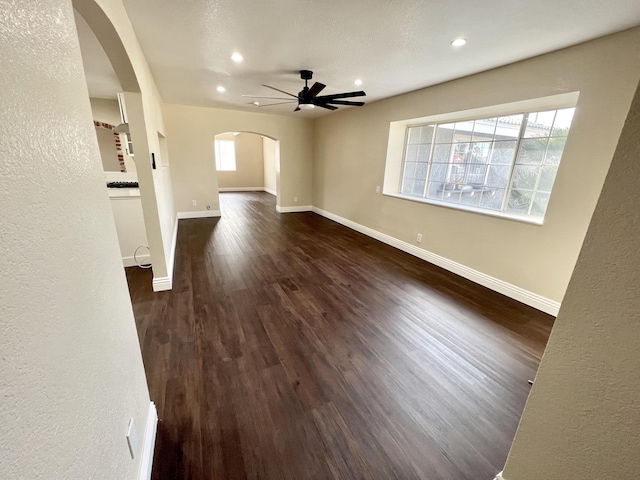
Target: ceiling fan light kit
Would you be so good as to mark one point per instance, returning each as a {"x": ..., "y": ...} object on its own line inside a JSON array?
[{"x": 308, "y": 98}]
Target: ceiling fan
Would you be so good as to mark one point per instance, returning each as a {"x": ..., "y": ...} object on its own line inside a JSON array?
[{"x": 308, "y": 98}]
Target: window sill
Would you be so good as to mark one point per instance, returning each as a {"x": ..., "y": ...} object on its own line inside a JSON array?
[{"x": 467, "y": 208}]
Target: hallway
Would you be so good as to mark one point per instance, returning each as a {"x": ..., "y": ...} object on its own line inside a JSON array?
[{"x": 293, "y": 347}]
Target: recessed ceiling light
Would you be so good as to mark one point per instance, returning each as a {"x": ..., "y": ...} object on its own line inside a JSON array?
[
  {"x": 236, "y": 57},
  {"x": 357, "y": 82},
  {"x": 458, "y": 42},
  {"x": 221, "y": 89},
  {"x": 257, "y": 104}
]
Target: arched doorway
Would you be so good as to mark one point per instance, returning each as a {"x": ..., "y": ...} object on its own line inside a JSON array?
[{"x": 247, "y": 161}]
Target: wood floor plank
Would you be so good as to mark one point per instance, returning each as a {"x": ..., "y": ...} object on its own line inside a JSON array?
[{"x": 294, "y": 348}]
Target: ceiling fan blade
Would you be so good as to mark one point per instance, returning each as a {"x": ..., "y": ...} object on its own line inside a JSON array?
[
  {"x": 316, "y": 89},
  {"x": 324, "y": 105},
  {"x": 281, "y": 91},
  {"x": 279, "y": 103},
  {"x": 268, "y": 98},
  {"x": 344, "y": 102},
  {"x": 341, "y": 95}
]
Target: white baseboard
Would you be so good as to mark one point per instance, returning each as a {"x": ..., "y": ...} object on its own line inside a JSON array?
[
  {"x": 161, "y": 284},
  {"x": 529, "y": 298},
  {"x": 199, "y": 214},
  {"x": 268, "y": 190},
  {"x": 131, "y": 262},
  {"x": 294, "y": 209},
  {"x": 241, "y": 189},
  {"x": 146, "y": 460},
  {"x": 499, "y": 477}
]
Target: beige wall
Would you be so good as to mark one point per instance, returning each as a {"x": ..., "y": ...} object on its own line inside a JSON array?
[
  {"x": 106, "y": 111},
  {"x": 108, "y": 152},
  {"x": 191, "y": 131},
  {"x": 582, "y": 419},
  {"x": 350, "y": 151},
  {"x": 270, "y": 154},
  {"x": 71, "y": 373},
  {"x": 249, "y": 162}
]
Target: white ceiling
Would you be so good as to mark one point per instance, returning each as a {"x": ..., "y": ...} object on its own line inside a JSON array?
[{"x": 394, "y": 46}]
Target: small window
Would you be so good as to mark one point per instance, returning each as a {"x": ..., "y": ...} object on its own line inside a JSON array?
[
  {"x": 503, "y": 164},
  {"x": 225, "y": 155}
]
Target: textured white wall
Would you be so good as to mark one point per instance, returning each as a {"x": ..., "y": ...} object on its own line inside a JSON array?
[
  {"x": 71, "y": 372},
  {"x": 582, "y": 419}
]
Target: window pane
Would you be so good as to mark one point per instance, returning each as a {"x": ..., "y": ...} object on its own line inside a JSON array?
[
  {"x": 225, "y": 153},
  {"x": 525, "y": 177},
  {"x": 441, "y": 153},
  {"x": 562, "y": 122},
  {"x": 478, "y": 163},
  {"x": 435, "y": 191},
  {"x": 438, "y": 172},
  {"x": 426, "y": 134},
  {"x": 409, "y": 170},
  {"x": 554, "y": 150},
  {"x": 470, "y": 198},
  {"x": 498, "y": 176},
  {"x": 407, "y": 186},
  {"x": 519, "y": 201},
  {"x": 539, "y": 204},
  {"x": 411, "y": 153},
  {"x": 532, "y": 151},
  {"x": 444, "y": 133},
  {"x": 463, "y": 131},
  {"x": 492, "y": 199},
  {"x": 423, "y": 152},
  {"x": 509, "y": 127},
  {"x": 539, "y": 124},
  {"x": 414, "y": 135},
  {"x": 547, "y": 177},
  {"x": 421, "y": 171},
  {"x": 418, "y": 187},
  {"x": 484, "y": 129},
  {"x": 503, "y": 152}
]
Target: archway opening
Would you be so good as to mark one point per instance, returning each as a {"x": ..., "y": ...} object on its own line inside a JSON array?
[{"x": 247, "y": 161}]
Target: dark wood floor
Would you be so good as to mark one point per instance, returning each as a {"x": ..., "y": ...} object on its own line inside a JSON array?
[{"x": 292, "y": 347}]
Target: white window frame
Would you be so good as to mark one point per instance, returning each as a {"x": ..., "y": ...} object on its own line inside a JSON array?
[
  {"x": 398, "y": 131},
  {"x": 225, "y": 161}
]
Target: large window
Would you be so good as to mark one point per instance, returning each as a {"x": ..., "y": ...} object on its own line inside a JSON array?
[
  {"x": 504, "y": 164},
  {"x": 225, "y": 155}
]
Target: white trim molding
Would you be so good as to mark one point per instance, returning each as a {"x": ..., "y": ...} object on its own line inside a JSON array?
[
  {"x": 161, "y": 284},
  {"x": 241, "y": 189},
  {"x": 272, "y": 192},
  {"x": 499, "y": 477},
  {"x": 294, "y": 209},
  {"x": 146, "y": 461},
  {"x": 529, "y": 298},
  {"x": 131, "y": 261},
  {"x": 199, "y": 214}
]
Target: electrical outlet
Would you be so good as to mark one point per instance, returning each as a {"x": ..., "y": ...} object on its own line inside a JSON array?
[
  {"x": 194, "y": 203},
  {"x": 419, "y": 238},
  {"x": 295, "y": 199},
  {"x": 377, "y": 188},
  {"x": 132, "y": 438}
]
